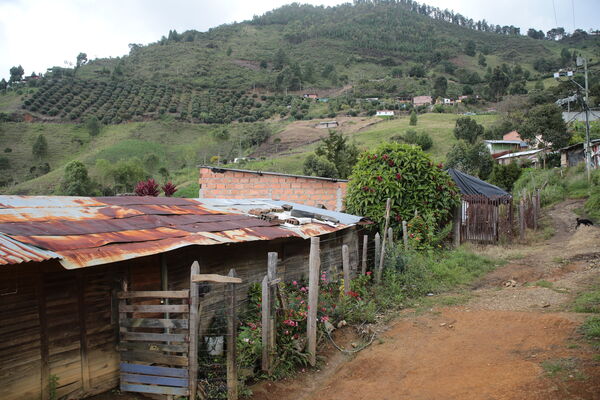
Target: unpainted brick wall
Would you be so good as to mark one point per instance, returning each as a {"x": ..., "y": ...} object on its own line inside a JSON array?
[{"x": 247, "y": 185}]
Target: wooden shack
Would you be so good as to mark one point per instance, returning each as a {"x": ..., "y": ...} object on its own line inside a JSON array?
[{"x": 63, "y": 260}]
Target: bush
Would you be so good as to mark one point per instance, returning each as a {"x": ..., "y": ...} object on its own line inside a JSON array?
[
  {"x": 591, "y": 328},
  {"x": 592, "y": 204},
  {"x": 505, "y": 176},
  {"x": 406, "y": 175}
]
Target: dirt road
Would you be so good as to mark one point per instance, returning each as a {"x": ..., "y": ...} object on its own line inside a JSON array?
[{"x": 517, "y": 342}]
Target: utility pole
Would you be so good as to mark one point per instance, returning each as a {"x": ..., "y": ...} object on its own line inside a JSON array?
[{"x": 588, "y": 145}]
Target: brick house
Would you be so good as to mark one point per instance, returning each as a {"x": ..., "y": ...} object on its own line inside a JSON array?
[
  {"x": 422, "y": 100},
  {"x": 245, "y": 184}
]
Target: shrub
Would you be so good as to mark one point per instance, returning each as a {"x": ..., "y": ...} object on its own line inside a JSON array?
[
  {"x": 406, "y": 175},
  {"x": 591, "y": 328},
  {"x": 147, "y": 188},
  {"x": 505, "y": 176}
]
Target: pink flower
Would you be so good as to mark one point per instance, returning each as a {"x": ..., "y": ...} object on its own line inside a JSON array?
[
  {"x": 303, "y": 289},
  {"x": 369, "y": 273},
  {"x": 294, "y": 283},
  {"x": 324, "y": 318}
]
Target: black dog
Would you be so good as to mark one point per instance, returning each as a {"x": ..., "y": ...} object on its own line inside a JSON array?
[{"x": 582, "y": 221}]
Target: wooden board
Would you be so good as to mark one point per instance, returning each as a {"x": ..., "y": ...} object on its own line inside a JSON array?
[
  {"x": 153, "y": 370},
  {"x": 155, "y": 294},
  {"x": 154, "y": 357},
  {"x": 154, "y": 389},
  {"x": 149, "y": 346},
  {"x": 154, "y": 337},
  {"x": 215, "y": 278},
  {"x": 155, "y": 308},
  {"x": 155, "y": 380},
  {"x": 155, "y": 323}
]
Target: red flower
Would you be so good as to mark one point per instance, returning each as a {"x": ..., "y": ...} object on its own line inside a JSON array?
[
  {"x": 379, "y": 178},
  {"x": 440, "y": 165},
  {"x": 385, "y": 156},
  {"x": 391, "y": 163},
  {"x": 399, "y": 176}
]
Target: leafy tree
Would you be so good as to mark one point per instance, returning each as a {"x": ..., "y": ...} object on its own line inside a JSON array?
[
  {"x": 505, "y": 176},
  {"x": 76, "y": 181},
  {"x": 555, "y": 33},
  {"x": 4, "y": 163},
  {"x": 413, "y": 118},
  {"x": 546, "y": 120},
  {"x": 417, "y": 71},
  {"x": 16, "y": 74},
  {"x": 40, "y": 147},
  {"x": 422, "y": 140},
  {"x": 532, "y": 33},
  {"x": 280, "y": 60},
  {"x": 440, "y": 86},
  {"x": 467, "y": 90},
  {"x": 397, "y": 72},
  {"x": 93, "y": 126},
  {"x": 474, "y": 159},
  {"x": 498, "y": 83},
  {"x": 320, "y": 166},
  {"x": 405, "y": 174},
  {"x": 335, "y": 149},
  {"x": 565, "y": 56},
  {"x": 81, "y": 60},
  {"x": 467, "y": 129},
  {"x": 229, "y": 50},
  {"x": 482, "y": 61},
  {"x": 470, "y": 48},
  {"x": 3, "y": 84}
]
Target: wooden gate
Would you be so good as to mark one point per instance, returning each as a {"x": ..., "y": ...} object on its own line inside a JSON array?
[
  {"x": 155, "y": 342},
  {"x": 485, "y": 220}
]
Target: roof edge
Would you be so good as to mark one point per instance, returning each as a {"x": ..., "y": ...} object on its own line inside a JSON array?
[{"x": 217, "y": 169}]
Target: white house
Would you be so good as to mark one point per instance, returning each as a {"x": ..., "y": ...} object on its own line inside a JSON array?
[{"x": 385, "y": 113}]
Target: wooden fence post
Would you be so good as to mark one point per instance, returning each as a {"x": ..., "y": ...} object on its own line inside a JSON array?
[
  {"x": 346, "y": 267},
  {"x": 314, "y": 266},
  {"x": 265, "y": 306},
  {"x": 364, "y": 254},
  {"x": 457, "y": 224},
  {"x": 522, "y": 218},
  {"x": 390, "y": 237},
  {"x": 377, "y": 251},
  {"x": 388, "y": 206},
  {"x": 272, "y": 275},
  {"x": 194, "y": 319},
  {"x": 405, "y": 234},
  {"x": 535, "y": 209},
  {"x": 232, "y": 378}
]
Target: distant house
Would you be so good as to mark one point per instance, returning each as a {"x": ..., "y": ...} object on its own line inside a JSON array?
[
  {"x": 310, "y": 96},
  {"x": 521, "y": 156},
  {"x": 371, "y": 99},
  {"x": 385, "y": 113},
  {"x": 574, "y": 154},
  {"x": 448, "y": 101},
  {"x": 404, "y": 100},
  {"x": 512, "y": 135},
  {"x": 422, "y": 101},
  {"x": 327, "y": 124},
  {"x": 462, "y": 98},
  {"x": 498, "y": 146},
  {"x": 323, "y": 99}
]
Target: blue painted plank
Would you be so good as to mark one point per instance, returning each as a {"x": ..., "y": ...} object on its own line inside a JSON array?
[
  {"x": 156, "y": 380},
  {"x": 154, "y": 389},
  {"x": 152, "y": 370}
]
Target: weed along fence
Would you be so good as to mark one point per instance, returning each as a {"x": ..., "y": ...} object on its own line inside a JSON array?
[{"x": 529, "y": 212}]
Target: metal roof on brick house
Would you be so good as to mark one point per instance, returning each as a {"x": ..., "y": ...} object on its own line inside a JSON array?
[{"x": 87, "y": 231}]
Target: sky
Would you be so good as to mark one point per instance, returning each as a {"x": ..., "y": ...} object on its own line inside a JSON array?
[{"x": 38, "y": 34}]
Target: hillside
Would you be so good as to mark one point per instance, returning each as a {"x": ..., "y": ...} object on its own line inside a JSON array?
[{"x": 242, "y": 71}]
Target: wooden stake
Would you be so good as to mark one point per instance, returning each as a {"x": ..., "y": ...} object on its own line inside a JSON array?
[
  {"x": 272, "y": 275},
  {"x": 377, "y": 251},
  {"x": 346, "y": 267},
  {"x": 405, "y": 234},
  {"x": 265, "y": 305},
  {"x": 457, "y": 224},
  {"x": 364, "y": 254},
  {"x": 390, "y": 237},
  {"x": 522, "y": 219},
  {"x": 388, "y": 206},
  {"x": 232, "y": 379},
  {"x": 314, "y": 266},
  {"x": 194, "y": 319}
]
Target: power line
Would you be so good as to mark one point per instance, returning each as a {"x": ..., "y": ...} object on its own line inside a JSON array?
[
  {"x": 573, "y": 9},
  {"x": 555, "y": 19}
]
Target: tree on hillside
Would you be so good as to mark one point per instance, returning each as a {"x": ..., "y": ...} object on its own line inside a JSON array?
[
  {"x": 532, "y": 33},
  {"x": 546, "y": 120},
  {"x": 468, "y": 129},
  {"x": 481, "y": 61},
  {"x": 16, "y": 74},
  {"x": 40, "y": 147},
  {"x": 417, "y": 71},
  {"x": 470, "y": 48},
  {"x": 3, "y": 84},
  {"x": 280, "y": 60},
  {"x": 413, "y": 118},
  {"x": 555, "y": 33},
  {"x": 76, "y": 181},
  {"x": 505, "y": 176},
  {"x": 474, "y": 159},
  {"x": 81, "y": 60},
  {"x": 93, "y": 126},
  {"x": 498, "y": 83},
  {"x": 440, "y": 86},
  {"x": 336, "y": 150}
]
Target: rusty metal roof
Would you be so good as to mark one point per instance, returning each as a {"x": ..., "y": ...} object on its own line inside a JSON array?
[{"x": 86, "y": 231}]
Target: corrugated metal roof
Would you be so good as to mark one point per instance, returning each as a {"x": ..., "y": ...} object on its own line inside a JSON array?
[
  {"x": 86, "y": 231},
  {"x": 14, "y": 252},
  {"x": 520, "y": 153}
]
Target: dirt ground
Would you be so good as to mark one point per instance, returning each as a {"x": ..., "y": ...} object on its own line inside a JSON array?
[
  {"x": 301, "y": 133},
  {"x": 516, "y": 342}
]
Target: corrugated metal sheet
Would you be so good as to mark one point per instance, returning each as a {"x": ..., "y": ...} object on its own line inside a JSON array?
[
  {"x": 14, "y": 252},
  {"x": 82, "y": 231}
]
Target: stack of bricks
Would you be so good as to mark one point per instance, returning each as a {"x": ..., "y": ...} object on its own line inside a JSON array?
[{"x": 235, "y": 184}]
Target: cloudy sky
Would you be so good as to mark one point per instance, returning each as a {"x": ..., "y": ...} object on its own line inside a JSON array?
[{"x": 42, "y": 33}]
